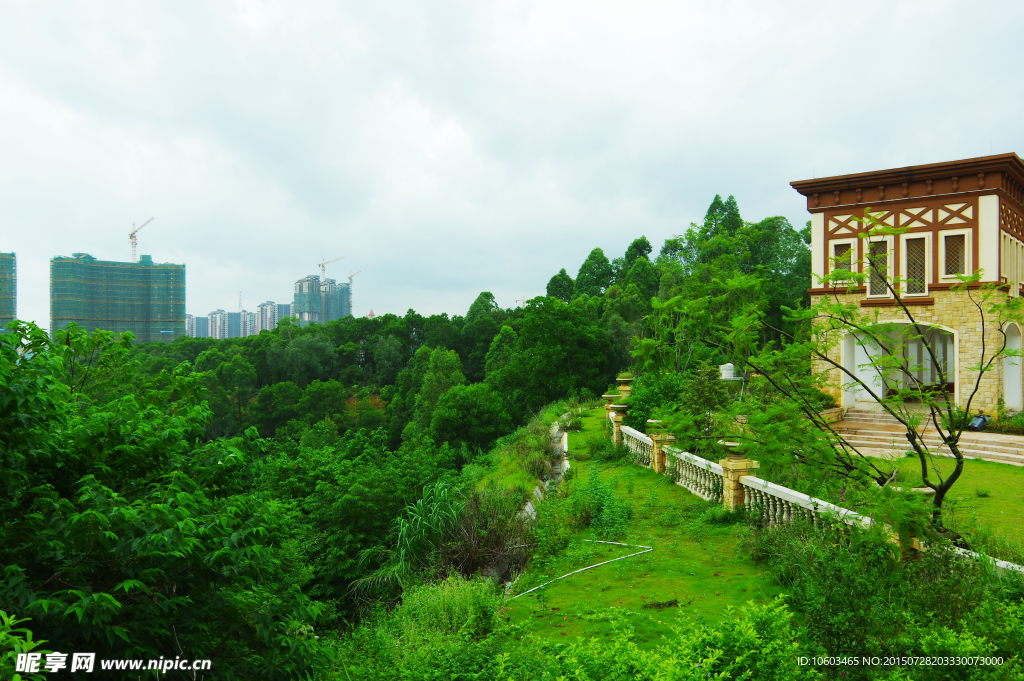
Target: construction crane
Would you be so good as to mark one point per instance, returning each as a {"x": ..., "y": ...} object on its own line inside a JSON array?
[
  {"x": 351, "y": 276},
  {"x": 323, "y": 279},
  {"x": 324, "y": 264},
  {"x": 131, "y": 235},
  {"x": 521, "y": 300}
]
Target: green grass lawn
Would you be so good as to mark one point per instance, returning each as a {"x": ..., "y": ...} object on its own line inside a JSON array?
[
  {"x": 991, "y": 492},
  {"x": 697, "y": 563}
]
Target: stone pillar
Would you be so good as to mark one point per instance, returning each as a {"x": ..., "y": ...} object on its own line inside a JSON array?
[
  {"x": 732, "y": 471},
  {"x": 618, "y": 413},
  {"x": 609, "y": 400},
  {"x": 625, "y": 386},
  {"x": 658, "y": 451}
]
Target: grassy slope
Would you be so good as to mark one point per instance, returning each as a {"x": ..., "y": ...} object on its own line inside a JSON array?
[
  {"x": 508, "y": 468},
  {"x": 698, "y": 564}
]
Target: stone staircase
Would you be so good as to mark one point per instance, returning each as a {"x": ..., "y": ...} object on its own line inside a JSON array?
[{"x": 879, "y": 434}]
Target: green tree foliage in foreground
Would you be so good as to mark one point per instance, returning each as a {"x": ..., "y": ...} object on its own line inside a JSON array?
[{"x": 122, "y": 530}]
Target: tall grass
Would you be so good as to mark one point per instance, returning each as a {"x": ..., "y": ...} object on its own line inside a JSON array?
[{"x": 416, "y": 537}]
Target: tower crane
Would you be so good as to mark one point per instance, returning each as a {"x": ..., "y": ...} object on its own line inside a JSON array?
[
  {"x": 131, "y": 235},
  {"x": 324, "y": 264}
]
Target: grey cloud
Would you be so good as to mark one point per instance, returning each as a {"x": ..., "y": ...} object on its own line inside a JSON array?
[{"x": 447, "y": 148}]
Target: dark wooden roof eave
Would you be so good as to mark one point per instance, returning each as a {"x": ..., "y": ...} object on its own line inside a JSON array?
[{"x": 1008, "y": 163}]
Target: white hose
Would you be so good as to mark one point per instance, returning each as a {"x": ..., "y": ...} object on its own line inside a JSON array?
[{"x": 647, "y": 549}]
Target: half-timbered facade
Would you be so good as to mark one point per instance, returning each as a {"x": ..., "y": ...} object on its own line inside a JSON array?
[{"x": 956, "y": 218}]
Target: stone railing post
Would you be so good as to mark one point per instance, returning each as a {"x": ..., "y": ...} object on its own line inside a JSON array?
[
  {"x": 625, "y": 386},
  {"x": 609, "y": 400},
  {"x": 661, "y": 439},
  {"x": 658, "y": 450},
  {"x": 618, "y": 414},
  {"x": 733, "y": 469}
]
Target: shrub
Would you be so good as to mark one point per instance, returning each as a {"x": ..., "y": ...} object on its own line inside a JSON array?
[
  {"x": 1013, "y": 425},
  {"x": 600, "y": 448},
  {"x": 452, "y": 606},
  {"x": 14, "y": 641},
  {"x": 755, "y": 642},
  {"x": 960, "y": 419},
  {"x": 858, "y": 598}
]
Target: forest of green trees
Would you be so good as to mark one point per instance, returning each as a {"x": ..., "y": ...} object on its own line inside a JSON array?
[{"x": 290, "y": 504}]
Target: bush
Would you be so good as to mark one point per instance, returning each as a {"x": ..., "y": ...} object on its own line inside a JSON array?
[
  {"x": 442, "y": 630},
  {"x": 593, "y": 504},
  {"x": 960, "y": 420},
  {"x": 453, "y": 606},
  {"x": 600, "y": 448},
  {"x": 858, "y": 598},
  {"x": 650, "y": 393},
  {"x": 1013, "y": 425},
  {"x": 753, "y": 643}
]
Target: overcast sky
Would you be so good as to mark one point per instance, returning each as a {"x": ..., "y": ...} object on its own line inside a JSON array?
[{"x": 447, "y": 148}]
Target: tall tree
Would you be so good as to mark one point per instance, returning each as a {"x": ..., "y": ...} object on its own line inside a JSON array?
[
  {"x": 483, "y": 306},
  {"x": 388, "y": 359},
  {"x": 640, "y": 248},
  {"x": 443, "y": 372},
  {"x": 561, "y": 286},
  {"x": 595, "y": 275},
  {"x": 482, "y": 323},
  {"x": 560, "y": 351}
]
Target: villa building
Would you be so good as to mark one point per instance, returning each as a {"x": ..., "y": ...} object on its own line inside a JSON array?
[{"x": 959, "y": 217}]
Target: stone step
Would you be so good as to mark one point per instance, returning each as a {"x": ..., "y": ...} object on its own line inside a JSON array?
[
  {"x": 977, "y": 443},
  {"x": 930, "y": 440},
  {"x": 992, "y": 454},
  {"x": 996, "y": 458}
]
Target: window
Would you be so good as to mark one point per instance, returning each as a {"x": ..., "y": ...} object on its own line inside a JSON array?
[
  {"x": 956, "y": 254},
  {"x": 878, "y": 264},
  {"x": 1012, "y": 263},
  {"x": 843, "y": 259},
  {"x": 916, "y": 265}
]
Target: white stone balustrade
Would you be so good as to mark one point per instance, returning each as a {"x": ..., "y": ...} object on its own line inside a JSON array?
[
  {"x": 639, "y": 445},
  {"x": 772, "y": 504},
  {"x": 775, "y": 504},
  {"x": 698, "y": 475}
]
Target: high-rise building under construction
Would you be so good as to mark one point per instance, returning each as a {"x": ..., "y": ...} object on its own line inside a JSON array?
[
  {"x": 145, "y": 298},
  {"x": 317, "y": 302},
  {"x": 8, "y": 289}
]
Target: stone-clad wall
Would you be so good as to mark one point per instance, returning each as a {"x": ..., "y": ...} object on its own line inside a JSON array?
[{"x": 955, "y": 311}]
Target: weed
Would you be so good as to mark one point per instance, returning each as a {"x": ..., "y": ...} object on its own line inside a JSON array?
[{"x": 983, "y": 493}]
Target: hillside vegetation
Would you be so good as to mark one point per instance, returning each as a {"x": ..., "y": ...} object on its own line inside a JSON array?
[{"x": 347, "y": 501}]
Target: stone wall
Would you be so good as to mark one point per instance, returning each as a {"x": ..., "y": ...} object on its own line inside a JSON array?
[{"x": 953, "y": 310}]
